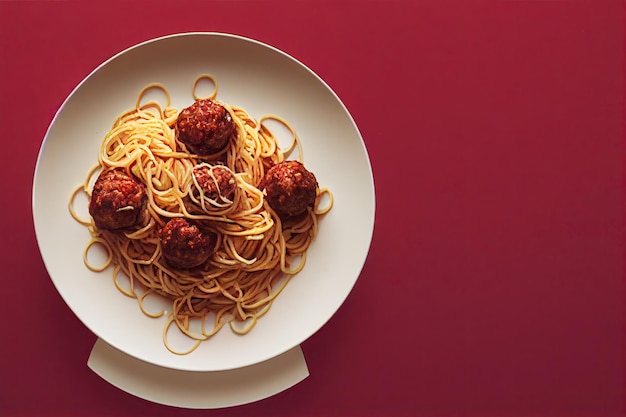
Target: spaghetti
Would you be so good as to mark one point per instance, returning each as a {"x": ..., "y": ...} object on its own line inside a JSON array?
[{"x": 256, "y": 251}]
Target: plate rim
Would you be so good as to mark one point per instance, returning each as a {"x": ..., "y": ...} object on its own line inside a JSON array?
[{"x": 44, "y": 141}]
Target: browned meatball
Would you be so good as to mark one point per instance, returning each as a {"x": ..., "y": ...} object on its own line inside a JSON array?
[
  {"x": 218, "y": 183},
  {"x": 118, "y": 200},
  {"x": 184, "y": 245},
  {"x": 205, "y": 127},
  {"x": 290, "y": 188}
]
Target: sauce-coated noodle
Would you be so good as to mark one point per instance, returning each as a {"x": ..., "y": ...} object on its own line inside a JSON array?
[{"x": 256, "y": 253}]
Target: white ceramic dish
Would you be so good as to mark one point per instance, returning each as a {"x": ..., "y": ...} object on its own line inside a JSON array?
[
  {"x": 262, "y": 80},
  {"x": 198, "y": 390}
]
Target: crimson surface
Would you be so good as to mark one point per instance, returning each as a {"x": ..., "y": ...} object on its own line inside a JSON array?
[{"x": 495, "y": 280}]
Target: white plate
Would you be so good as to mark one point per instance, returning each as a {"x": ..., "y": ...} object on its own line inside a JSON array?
[
  {"x": 262, "y": 80},
  {"x": 202, "y": 390}
]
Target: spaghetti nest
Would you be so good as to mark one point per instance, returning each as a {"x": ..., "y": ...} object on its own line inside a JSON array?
[{"x": 256, "y": 252}]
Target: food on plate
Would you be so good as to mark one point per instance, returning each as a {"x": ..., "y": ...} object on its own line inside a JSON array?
[
  {"x": 205, "y": 127},
  {"x": 218, "y": 183},
  {"x": 184, "y": 245},
  {"x": 202, "y": 207},
  {"x": 290, "y": 188},
  {"x": 117, "y": 201}
]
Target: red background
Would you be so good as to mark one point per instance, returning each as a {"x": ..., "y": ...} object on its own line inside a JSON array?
[{"x": 495, "y": 281}]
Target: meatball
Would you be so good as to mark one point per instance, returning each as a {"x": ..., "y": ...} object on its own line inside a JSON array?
[
  {"x": 184, "y": 245},
  {"x": 290, "y": 188},
  {"x": 205, "y": 127},
  {"x": 217, "y": 183},
  {"x": 118, "y": 200}
]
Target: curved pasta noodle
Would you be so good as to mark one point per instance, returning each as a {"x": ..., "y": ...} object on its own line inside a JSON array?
[{"x": 256, "y": 253}]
